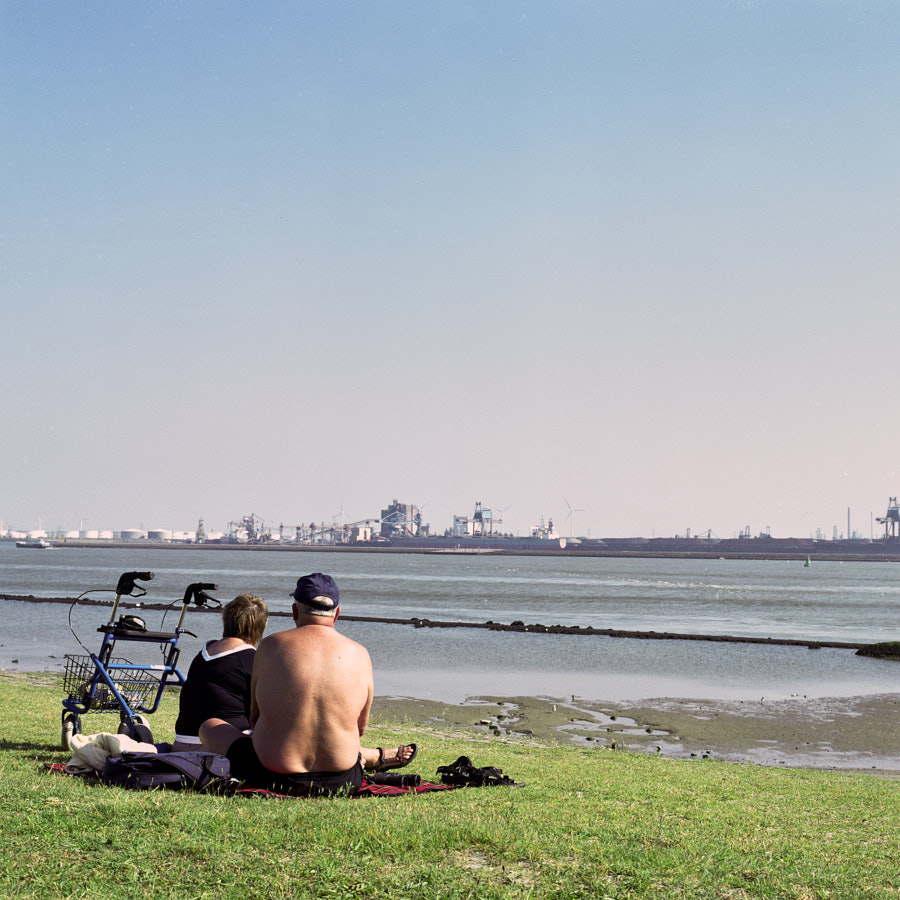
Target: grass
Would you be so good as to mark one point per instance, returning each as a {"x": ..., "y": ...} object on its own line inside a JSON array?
[{"x": 590, "y": 823}]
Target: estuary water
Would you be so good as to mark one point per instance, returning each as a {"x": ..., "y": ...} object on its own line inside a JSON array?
[{"x": 829, "y": 601}]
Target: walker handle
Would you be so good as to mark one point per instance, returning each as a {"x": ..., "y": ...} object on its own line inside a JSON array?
[
  {"x": 127, "y": 581},
  {"x": 196, "y": 593},
  {"x": 126, "y": 586}
]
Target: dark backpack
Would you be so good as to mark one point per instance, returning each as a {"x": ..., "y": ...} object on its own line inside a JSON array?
[{"x": 196, "y": 770}]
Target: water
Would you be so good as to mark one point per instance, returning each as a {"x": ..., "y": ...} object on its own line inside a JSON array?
[{"x": 855, "y": 602}]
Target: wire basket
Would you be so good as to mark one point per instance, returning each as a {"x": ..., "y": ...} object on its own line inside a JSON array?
[{"x": 136, "y": 685}]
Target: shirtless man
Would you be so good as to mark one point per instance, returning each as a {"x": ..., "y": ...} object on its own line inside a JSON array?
[{"x": 311, "y": 693}]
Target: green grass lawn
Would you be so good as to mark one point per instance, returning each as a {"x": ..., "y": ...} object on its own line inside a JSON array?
[{"x": 590, "y": 823}]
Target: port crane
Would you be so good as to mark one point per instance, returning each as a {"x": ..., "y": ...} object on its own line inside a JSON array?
[
  {"x": 891, "y": 520},
  {"x": 250, "y": 530},
  {"x": 483, "y": 519}
]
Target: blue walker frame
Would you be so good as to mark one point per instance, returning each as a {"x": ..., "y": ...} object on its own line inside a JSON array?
[{"x": 99, "y": 682}]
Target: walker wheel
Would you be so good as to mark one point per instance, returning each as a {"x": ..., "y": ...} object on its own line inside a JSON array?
[
  {"x": 139, "y": 729},
  {"x": 71, "y": 725}
]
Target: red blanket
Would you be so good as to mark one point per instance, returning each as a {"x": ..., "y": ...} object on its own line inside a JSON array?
[{"x": 367, "y": 790}]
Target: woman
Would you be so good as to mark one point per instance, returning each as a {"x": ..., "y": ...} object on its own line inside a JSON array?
[{"x": 218, "y": 681}]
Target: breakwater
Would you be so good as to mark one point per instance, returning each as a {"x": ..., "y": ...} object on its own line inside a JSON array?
[{"x": 515, "y": 626}]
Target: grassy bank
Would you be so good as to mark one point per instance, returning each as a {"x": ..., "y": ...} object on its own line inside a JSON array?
[{"x": 590, "y": 823}]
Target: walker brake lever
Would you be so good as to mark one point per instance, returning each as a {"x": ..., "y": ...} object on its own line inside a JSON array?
[{"x": 206, "y": 598}]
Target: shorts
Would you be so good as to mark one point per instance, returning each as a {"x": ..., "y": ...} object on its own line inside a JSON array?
[{"x": 246, "y": 767}]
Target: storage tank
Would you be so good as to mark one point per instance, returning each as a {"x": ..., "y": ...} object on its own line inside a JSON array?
[
  {"x": 105, "y": 535},
  {"x": 159, "y": 534},
  {"x": 132, "y": 534},
  {"x": 91, "y": 535},
  {"x": 69, "y": 535}
]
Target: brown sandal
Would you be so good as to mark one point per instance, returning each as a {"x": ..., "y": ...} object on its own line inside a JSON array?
[{"x": 383, "y": 766}]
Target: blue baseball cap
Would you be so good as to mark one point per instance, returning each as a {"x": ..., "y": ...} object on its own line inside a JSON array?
[{"x": 317, "y": 590}]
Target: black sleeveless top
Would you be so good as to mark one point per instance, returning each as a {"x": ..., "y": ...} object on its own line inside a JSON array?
[{"x": 217, "y": 686}]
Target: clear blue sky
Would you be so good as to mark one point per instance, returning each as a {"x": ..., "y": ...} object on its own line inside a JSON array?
[{"x": 280, "y": 257}]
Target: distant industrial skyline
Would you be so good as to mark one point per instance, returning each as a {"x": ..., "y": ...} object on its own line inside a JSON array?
[
  {"x": 875, "y": 526},
  {"x": 634, "y": 258}
]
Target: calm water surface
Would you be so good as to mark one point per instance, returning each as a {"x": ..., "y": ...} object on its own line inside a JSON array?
[{"x": 829, "y": 601}]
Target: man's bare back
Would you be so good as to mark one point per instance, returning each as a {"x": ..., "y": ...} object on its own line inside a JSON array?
[
  {"x": 311, "y": 694},
  {"x": 310, "y": 698}
]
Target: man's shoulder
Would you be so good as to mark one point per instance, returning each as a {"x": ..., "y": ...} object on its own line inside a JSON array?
[
  {"x": 330, "y": 639},
  {"x": 272, "y": 643},
  {"x": 333, "y": 636},
  {"x": 349, "y": 642},
  {"x": 307, "y": 634}
]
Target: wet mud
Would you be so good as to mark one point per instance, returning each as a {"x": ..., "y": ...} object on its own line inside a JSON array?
[{"x": 857, "y": 734}]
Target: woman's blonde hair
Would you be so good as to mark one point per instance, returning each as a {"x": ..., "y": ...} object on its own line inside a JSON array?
[{"x": 245, "y": 617}]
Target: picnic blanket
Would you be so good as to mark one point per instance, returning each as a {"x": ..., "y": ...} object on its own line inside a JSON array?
[
  {"x": 209, "y": 772},
  {"x": 368, "y": 789}
]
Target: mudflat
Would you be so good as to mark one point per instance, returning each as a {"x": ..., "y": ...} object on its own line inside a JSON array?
[{"x": 860, "y": 734}]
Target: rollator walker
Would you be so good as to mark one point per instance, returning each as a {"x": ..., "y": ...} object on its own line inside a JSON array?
[{"x": 103, "y": 683}]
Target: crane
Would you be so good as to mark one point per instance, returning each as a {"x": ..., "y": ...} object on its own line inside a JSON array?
[{"x": 891, "y": 520}]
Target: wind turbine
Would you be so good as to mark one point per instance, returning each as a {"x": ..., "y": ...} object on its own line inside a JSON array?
[
  {"x": 341, "y": 514},
  {"x": 497, "y": 519},
  {"x": 571, "y": 517}
]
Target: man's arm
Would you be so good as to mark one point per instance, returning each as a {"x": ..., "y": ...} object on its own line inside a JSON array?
[
  {"x": 363, "y": 720},
  {"x": 254, "y": 706}
]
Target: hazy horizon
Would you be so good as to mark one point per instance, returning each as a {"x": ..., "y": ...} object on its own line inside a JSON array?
[{"x": 288, "y": 259}]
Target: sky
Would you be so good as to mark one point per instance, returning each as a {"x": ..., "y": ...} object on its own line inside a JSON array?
[{"x": 299, "y": 259}]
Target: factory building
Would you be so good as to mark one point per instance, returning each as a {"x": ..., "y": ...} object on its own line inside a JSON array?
[{"x": 401, "y": 519}]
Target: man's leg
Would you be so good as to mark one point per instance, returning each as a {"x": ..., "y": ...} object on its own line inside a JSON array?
[
  {"x": 218, "y": 735},
  {"x": 387, "y": 757}
]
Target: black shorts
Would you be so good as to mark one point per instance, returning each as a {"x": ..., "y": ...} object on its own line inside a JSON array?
[{"x": 246, "y": 767}]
